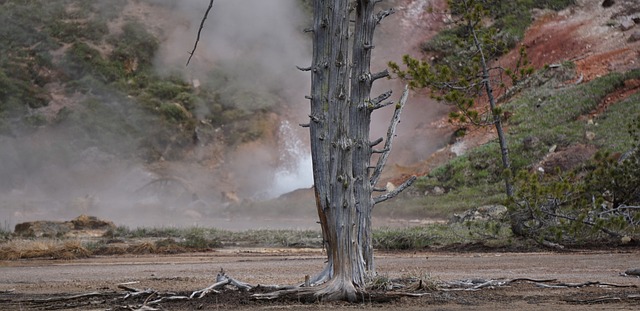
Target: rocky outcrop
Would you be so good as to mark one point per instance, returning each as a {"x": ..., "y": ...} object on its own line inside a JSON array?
[
  {"x": 486, "y": 212},
  {"x": 82, "y": 226}
]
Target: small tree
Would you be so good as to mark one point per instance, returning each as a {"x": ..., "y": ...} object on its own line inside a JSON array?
[
  {"x": 600, "y": 200},
  {"x": 466, "y": 77},
  {"x": 341, "y": 150}
]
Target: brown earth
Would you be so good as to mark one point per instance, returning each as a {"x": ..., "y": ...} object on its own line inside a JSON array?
[{"x": 38, "y": 284}]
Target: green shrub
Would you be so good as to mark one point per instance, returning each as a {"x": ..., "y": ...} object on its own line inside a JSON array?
[
  {"x": 572, "y": 209},
  {"x": 199, "y": 238},
  {"x": 166, "y": 90},
  {"x": 36, "y": 120},
  {"x": 81, "y": 59},
  {"x": 134, "y": 43},
  {"x": 174, "y": 112}
]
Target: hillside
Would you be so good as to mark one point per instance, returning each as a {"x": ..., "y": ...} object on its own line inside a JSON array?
[{"x": 99, "y": 115}]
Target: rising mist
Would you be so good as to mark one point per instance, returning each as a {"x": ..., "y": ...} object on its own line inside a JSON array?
[{"x": 50, "y": 173}]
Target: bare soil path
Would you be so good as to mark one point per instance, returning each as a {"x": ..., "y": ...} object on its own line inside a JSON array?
[{"x": 23, "y": 284}]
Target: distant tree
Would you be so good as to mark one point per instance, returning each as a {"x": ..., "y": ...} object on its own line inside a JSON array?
[
  {"x": 466, "y": 78},
  {"x": 341, "y": 150}
]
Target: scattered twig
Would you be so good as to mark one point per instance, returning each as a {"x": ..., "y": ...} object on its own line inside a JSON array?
[
  {"x": 132, "y": 292},
  {"x": 57, "y": 299},
  {"x": 169, "y": 298},
  {"x": 596, "y": 300},
  {"x": 632, "y": 272}
]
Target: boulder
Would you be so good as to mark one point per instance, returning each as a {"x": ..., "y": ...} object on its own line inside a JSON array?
[
  {"x": 566, "y": 159},
  {"x": 627, "y": 24}
]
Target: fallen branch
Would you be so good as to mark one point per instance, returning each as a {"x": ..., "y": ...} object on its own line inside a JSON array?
[
  {"x": 632, "y": 272},
  {"x": 221, "y": 280},
  {"x": 585, "y": 284},
  {"x": 58, "y": 299},
  {"x": 597, "y": 300},
  {"x": 477, "y": 284}
]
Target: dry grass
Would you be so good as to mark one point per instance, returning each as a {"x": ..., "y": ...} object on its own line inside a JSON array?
[
  {"x": 53, "y": 249},
  {"x": 145, "y": 247}
]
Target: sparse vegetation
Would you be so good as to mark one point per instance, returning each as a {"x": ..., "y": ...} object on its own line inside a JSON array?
[
  {"x": 114, "y": 71},
  {"x": 510, "y": 19},
  {"x": 166, "y": 240},
  {"x": 596, "y": 201}
]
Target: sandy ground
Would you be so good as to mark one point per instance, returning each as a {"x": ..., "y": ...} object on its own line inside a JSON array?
[{"x": 34, "y": 284}]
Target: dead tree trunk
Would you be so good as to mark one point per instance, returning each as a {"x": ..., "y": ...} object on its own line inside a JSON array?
[{"x": 341, "y": 151}]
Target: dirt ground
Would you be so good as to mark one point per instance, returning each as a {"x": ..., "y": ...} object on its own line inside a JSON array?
[{"x": 38, "y": 284}]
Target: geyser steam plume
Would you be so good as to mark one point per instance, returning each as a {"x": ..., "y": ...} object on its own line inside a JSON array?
[{"x": 295, "y": 170}]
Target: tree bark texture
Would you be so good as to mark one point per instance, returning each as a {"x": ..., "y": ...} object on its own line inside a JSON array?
[{"x": 340, "y": 147}]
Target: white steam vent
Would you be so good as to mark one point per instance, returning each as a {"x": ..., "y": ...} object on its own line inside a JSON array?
[{"x": 295, "y": 170}]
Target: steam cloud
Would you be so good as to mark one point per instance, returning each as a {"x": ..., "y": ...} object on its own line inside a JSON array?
[{"x": 257, "y": 43}]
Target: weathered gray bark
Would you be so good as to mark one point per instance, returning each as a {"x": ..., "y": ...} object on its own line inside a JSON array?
[{"x": 341, "y": 151}]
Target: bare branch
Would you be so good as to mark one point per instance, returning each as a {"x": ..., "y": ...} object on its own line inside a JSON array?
[
  {"x": 383, "y": 14},
  {"x": 395, "y": 192},
  {"x": 314, "y": 118},
  {"x": 379, "y": 151},
  {"x": 375, "y": 142},
  {"x": 304, "y": 68},
  {"x": 382, "y": 97},
  {"x": 304, "y": 124},
  {"x": 379, "y": 75},
  {"x": 378, "y": 106},
  {"x": 382, "y": 161},
  {"x": 195, "y": 45}
]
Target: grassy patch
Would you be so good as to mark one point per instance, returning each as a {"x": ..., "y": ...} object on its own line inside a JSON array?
[
  {"x": 487, "y": 233},
  {"x": 202, "y": 238},
  {"x": 440, "y": 206}
]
